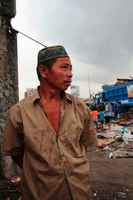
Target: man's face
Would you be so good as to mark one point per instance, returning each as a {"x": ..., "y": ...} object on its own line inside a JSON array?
[{"x": 60, "y": 75}]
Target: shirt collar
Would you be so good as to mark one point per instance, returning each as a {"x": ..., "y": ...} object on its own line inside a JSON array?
[
  {"x": 68, "y": 97},
  {"x": 36, "y": 97}
]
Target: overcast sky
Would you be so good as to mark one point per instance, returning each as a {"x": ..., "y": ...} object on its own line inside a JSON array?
[{"x": 98, "y": 35}]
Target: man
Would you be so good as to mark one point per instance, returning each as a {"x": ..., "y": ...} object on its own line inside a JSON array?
[
  {"x": 48, "y": 134},
  {"x": 94, "y": 116},
  {"x": 101, "y": 118}
]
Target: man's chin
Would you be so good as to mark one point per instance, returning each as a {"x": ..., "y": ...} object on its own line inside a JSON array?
[{"x": 64, "y": 89}]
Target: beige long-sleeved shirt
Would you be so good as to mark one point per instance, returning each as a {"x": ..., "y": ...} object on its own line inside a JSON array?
[{"x": 55, "y": 166}]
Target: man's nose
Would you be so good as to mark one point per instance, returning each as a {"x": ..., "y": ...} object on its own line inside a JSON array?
[{"x": 69, "y": 73}]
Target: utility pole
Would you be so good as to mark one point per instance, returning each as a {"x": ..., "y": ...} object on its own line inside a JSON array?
[{"x": 8, "y": 62}]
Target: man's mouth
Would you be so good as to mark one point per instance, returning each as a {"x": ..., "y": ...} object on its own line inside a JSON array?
[{"x": 68, "y": 82}]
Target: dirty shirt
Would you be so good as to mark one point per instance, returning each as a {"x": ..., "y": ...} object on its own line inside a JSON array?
[{"x": 55, "y": 166}]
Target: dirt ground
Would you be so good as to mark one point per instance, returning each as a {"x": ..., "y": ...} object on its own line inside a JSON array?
[{"x": 111, "y": 179}]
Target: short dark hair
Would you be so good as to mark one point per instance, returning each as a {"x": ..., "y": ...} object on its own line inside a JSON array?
[{"x": 48, "y": 64}]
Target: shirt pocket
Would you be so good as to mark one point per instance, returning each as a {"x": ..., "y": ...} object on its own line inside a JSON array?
[
  {"x": 74, "y": 131},
  {"x": 71, "y": 143},
  {"x": 33, "y": 139}
]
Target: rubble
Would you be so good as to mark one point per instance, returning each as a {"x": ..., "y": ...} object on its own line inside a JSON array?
[{"x": 116, "y": 141}]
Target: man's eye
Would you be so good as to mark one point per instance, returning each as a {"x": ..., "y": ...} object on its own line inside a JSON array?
[{"x": 64, "y": 66}]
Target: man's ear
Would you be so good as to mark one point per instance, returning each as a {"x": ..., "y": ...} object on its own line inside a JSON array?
[{"x": 43, "y": 71}]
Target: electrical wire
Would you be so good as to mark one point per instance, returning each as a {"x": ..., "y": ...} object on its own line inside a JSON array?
[{"x": 25, "y": 35}]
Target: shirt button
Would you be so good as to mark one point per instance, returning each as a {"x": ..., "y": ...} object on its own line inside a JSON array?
[
  {"x": 68, "y": 172},
  {"x": 62, "y": 139}
]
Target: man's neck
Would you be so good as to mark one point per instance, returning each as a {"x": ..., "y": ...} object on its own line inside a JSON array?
[{"x": 49, "y": 93}]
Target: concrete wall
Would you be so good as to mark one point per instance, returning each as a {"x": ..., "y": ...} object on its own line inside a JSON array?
[{"x": 8, "y": 71}]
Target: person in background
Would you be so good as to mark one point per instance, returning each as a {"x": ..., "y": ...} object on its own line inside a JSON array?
[
  {"x": 101, "y": 118},
  {"x": 108, "y": 117},
  {"x": 94, "y": 116},
  {"x": 49, "y": 133}
]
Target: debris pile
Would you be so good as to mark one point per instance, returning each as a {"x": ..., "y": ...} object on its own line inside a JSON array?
[{"x": 116, "y": 141}]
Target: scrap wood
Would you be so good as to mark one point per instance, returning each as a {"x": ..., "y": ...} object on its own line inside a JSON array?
[{"x": 104, "y": 142}]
